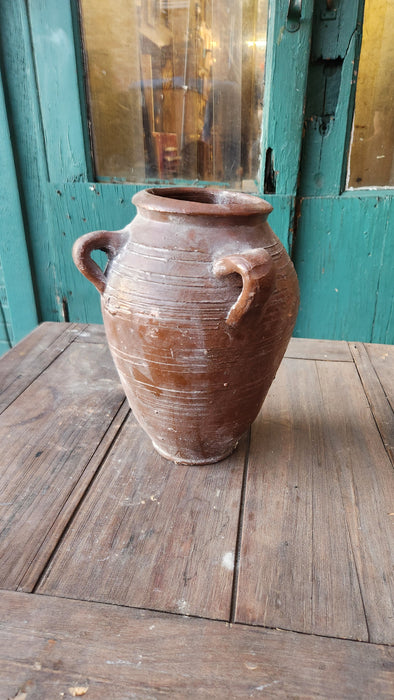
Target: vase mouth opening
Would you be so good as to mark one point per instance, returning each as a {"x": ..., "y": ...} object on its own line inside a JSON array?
[{"x": 199, "y": 201}]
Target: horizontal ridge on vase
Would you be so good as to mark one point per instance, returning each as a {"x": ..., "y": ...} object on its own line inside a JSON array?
[{"x": 199, "y": 301}]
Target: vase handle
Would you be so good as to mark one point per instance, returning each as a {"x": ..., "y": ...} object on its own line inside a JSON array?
[
  {"x": 108, "y": 241},
  {"x": 258, "y": 274}
]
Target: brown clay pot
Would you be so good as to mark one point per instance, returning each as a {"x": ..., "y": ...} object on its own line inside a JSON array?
[{"x": 199, "y": 301}]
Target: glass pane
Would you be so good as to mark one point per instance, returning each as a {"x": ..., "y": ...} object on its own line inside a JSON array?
[
  {"x": 175, "y": 88},
  {"x": 372, "y": 149}
]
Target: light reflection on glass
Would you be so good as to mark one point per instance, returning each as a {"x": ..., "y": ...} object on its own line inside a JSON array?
[
  {"x": 371, "y": 160},
  {"x": 175, "y": 88}
]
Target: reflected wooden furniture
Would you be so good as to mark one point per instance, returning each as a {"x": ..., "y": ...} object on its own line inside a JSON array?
[
  {"x": 266, "y": 575},
  {"x": 167, "y": 157}
]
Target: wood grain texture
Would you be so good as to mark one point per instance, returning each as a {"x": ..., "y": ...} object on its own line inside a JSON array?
[
  {"x": 32, "y": 356},
  {"x": 24, "y": 116},
  {"x": 311, "y": 349},
  {"x": 14, "y": 260},
  {"x": 57, "y": 81},
  {"x": 76, "y": 209},
  {"x": 48, "y": 436},
  {"x": 342, "y": 255},
  {"x": 315, "y": 553},
  {"x": 366, "y": 481},
  {"x": 330, "y": 97},
  {"x": 153, "y": 535},
  {"x": 375, "y": 365},
  {"x": 93, "y": 333},
  {"x": 67, "y": 510},
  {"x": 48, "y": 645},
  {"x": 382, "y": 360},
  {"x": 283, "y": 114},
  {"x": 296, "y": 567}
]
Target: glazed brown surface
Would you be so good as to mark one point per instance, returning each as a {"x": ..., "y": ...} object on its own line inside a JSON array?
[{"x": 199, "y": 302}]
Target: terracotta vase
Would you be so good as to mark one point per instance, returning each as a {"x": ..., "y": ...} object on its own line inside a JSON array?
[{"x": 199, "y": 301}]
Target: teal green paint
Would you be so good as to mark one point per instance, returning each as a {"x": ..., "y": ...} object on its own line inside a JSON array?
[
  {"x": 24, "y": 118},
  {"x": 17, "y": 305},
  {"x": 281, "y": 218},
  {"x": 284, "y": 94},
  {"x": 342, "y": 243},
  {"x": 80, "y": 74},
  {"x": 77, "y": 209},
  {"x": 332, "y": 30},
  {"x": 344, "y": 255},
  {"x": 57, "y": 80},
  {"x": 6, "y": 334},
  {"x": 330, "y": 100}
]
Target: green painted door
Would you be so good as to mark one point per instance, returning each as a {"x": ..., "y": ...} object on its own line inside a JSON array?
[
  {"x": 18, "y": 313},
  {"x": 344, "y": 251},
  {"x": 64, "y": 191}
]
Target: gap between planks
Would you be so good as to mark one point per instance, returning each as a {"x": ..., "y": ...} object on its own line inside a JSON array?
[
  {"x": 61, "y": 643},
  {"x": 376, "y": 396},
  {"x": 237, "y": 554},
  {"x": 90, "y": 473},
  {"x": 64, "y": 335}
]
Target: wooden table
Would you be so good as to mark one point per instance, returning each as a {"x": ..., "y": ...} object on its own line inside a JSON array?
[{"x": 125, "y": 576}]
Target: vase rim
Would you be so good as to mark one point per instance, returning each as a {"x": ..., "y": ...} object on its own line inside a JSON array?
[{"x": 201, "y": 201}]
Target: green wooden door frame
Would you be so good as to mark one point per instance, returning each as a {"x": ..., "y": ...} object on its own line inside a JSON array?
[
  {"x": 18, "y": 315},
  {"x": 344, "y": 244},
  {"x": 41, "y": 56},
  {"x": 40, "y": 46}
]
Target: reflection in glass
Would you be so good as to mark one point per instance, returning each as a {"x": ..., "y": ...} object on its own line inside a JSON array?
[
  {"x": 175, "y": 88},
  {"x": 372, "y": 149}
]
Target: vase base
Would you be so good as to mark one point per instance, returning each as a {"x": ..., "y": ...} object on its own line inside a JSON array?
[{"x": 195, "y": 461}]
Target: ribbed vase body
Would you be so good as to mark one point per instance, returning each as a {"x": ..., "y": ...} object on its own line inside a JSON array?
[{"x": 194, "y": 381}]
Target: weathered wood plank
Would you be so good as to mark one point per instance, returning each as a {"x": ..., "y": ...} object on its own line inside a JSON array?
[
  {"x": 297, "y": 568},
  {"x": 330, "y": 97},
  {"x": 48, "y": 436},
  {"x": 346, "y": 288},
  {"x": 283, "y": 113},
  {"x": 49, "y": 645},
  {"x": 93, "y": 333},
  {"x": 14, "y": 260},
  {"x": 382, "y": 359},
  {"x": 375, "y": 365},
  {"x": 53, "y": 536},
  {"x": 31, "y": 356},
  {"x": 57, "y": 83},
  {"x": 366, "y": 480},
  {"x": 29, "y": 144},
  {"x": 311, "y": 349},
  {"x": 154, "y": 535}
]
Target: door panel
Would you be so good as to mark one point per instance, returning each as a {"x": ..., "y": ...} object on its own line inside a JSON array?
[
  {"x": 330, "y": 97},
  {"x": 284, "y": 94},
  {"x": 344, "y": 258},
  {"x": 41, "y": 54},
  {"x": 344, "y": 241},
  {"x": 17, "y": 304},
  {"x": 55, "y": 59},
  {"x": 28, "y": 145}
]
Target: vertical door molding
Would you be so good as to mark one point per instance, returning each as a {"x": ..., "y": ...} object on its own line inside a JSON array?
[
  {"x": 18, "y": 310},
  {"x": 56, "y": 67},
  {"x": 284, "y": 98},
  {"x": 26, "y": 132},
  {"x": 336, "y": 46},
  {"x": 344, "y": 243}
]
